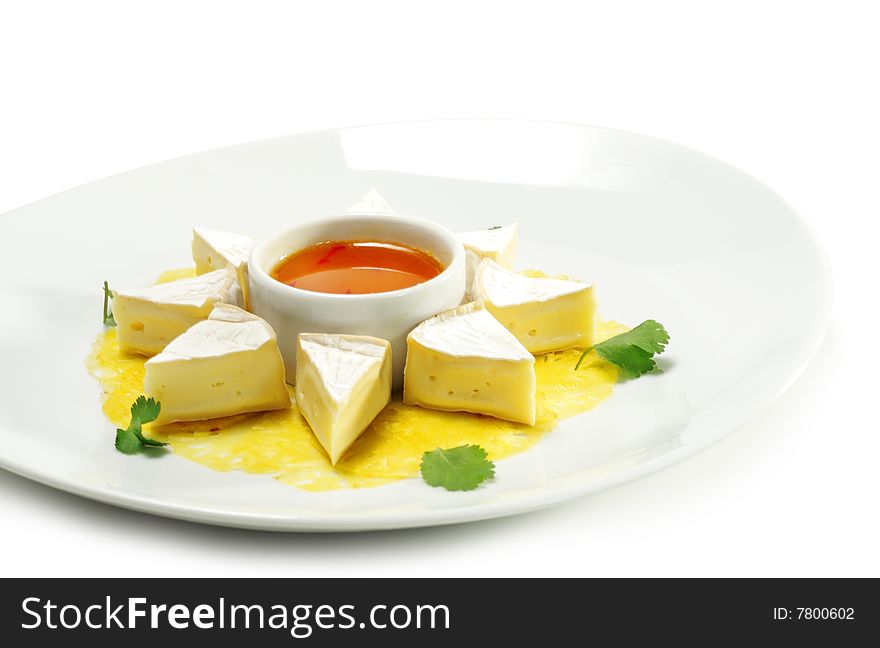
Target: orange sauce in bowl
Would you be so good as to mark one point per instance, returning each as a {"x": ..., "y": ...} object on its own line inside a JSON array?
[{"x": 356, "y": 267}]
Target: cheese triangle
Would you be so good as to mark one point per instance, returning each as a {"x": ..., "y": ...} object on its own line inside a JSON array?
[
  {"x": 228, "y": 364},
  {"x": 214, "y": 250},
  {"x": 371, "y": 203},
  {"x": 498, "y": 244},
  {"x": 544, "y": 314},
  {"x": 342, "y": 383},
  {"x": 149, "y": 318},
  {"x": 464, "y": 360}
]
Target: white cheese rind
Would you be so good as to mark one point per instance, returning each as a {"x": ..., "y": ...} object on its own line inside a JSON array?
[
  {"x": 214, "y": 250},
  {"x": 342, "y": 383},
  {"x": 225, "y": 365},
  {"x": 498, "y": 244},
  {"x": 371, "y": 203},
  {"x": 465, "y": 360},
  {"x": 544, "y": 314},
  {"x": 149, "y": 318}
]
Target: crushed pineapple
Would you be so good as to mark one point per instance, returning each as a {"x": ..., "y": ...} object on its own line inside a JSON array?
[{"x": 281, "y": 444}]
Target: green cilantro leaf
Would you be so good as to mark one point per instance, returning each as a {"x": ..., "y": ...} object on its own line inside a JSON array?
[
  {"x": 633, "y": 352},
  {"x": 457, "y": 469},
  {"x": 145, "y": 410},
  {"x": 132, "y": 439},
  {"x": 109, "y": 320},
  {"x": 144, "y": 440},
  {"x": 127, "y": 441}
]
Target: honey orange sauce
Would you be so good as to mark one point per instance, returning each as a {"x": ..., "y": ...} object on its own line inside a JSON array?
[
  {"x": 281, "y": 443},
  {"x": 356, "y": 267}
]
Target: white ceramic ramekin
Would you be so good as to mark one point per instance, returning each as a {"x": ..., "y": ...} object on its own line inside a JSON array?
[{"x": 389, "y": 315}]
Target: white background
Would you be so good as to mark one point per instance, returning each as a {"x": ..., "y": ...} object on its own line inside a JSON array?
[{"x": 785, "y": 90}]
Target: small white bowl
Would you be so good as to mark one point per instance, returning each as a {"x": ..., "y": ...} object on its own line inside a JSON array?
[{"x": 388, "y": 315}]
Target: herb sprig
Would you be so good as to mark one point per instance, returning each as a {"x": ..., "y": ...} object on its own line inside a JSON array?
[
  {"x": 131, "y": 440},
  {"x": 457, "y": 469},
  {"x": 633, "y": 352},
  {"x": 109, "y": 320}
]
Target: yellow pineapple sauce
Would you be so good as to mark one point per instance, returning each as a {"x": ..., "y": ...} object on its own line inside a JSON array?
[{"x": 281, "y": 443}]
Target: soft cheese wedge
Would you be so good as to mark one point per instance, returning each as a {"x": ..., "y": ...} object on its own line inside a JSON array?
[
  {"x": 371, "y": 203},
  {"x": 543, "y": 314},
  {"x": 214, "y": 250},
  {"x": 498, "y": 244},
  {"x": 464, "y": 360},
  {"x": 148, "y": 319},
  {"x": 228, "y": 364},
  {"x": 342, "y": 383}
]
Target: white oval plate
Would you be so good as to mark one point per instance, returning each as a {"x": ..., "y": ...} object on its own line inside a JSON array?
[{"x": 665, "y": 232}]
